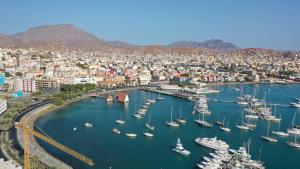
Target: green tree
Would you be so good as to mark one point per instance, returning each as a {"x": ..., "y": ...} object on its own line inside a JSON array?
[{"x": 20, "y": 74}]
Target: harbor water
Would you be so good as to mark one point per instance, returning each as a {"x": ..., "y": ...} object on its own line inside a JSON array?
[{"x": 120, "y": 152}]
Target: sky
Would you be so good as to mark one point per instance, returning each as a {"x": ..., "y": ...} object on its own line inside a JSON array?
[{"x": 247, "y": 23}]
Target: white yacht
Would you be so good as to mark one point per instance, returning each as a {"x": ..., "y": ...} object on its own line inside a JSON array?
[
  {"x": 137, "y": 115},
  {"x": 212, "y": 143},
  {"x": 180, "y": 149},
  {"x": 251, "y": 116},
  {"x": 148, "y": 134},
  {"x": 296, "y": 105},
  {"x": 88, "y": 125},
  {"x": 131, "y": 135},
  {"x": 119, "y": 121}
]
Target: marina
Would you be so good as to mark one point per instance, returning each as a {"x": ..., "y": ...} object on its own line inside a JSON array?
[{"x": 136, "y": 137}]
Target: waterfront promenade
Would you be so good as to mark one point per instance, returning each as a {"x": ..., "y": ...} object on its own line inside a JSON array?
[{"x": 35, "y": 148}]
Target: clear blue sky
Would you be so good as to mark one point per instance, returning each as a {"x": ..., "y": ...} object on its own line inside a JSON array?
[{"x": 247, "y": 23}]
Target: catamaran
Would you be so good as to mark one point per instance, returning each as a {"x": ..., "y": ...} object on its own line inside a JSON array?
[
  {"x": 131, "y": 135},
  {"x": 171, "y": 122}
]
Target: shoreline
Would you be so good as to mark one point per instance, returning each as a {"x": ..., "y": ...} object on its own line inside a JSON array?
[
  {"x": 249, "y": 83},
  {"x": 49, "y": 108}
]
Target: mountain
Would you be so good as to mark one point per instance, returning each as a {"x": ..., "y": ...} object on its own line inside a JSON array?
[
  {"x": 213, "y": 44},
  {"x": 55, "y": 36},
  {"x": 68, "y": 36}
]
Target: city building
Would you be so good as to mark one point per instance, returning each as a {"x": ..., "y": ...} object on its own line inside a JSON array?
[{"x": 26, "y": 85}]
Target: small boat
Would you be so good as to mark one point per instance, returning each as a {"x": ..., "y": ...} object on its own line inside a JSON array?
[
  {"x": 117, "y": 131},
  {"x": 131, "y": 135},
  {"x": 148, "y": 134},
  {"x": 75, "y": 128},
  {"x": 180, "y": 149},
  {"x": 171, "y": 122},
  {"x": 120, "y": 121},
  {"x": 88, "y": 125},
  {"x": 148, "y": 126},
  {"x": 137, "y": 115}
]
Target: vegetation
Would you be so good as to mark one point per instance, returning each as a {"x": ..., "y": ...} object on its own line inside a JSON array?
[
  {"x": 13, "y": 108},
  {"x": 69, "y": 92},
  {"x": 82, "y": 66},
  {"x": 20, "y": 74},
  {"x": 180, "y": 84}
]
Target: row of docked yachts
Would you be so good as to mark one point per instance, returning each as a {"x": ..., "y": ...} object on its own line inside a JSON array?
[
  {"x": 140, "y": 113},
  {"x": 223, "y": 156}
]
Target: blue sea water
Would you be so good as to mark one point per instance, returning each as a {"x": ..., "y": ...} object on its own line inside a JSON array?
[{"x": 120, "y": 152}]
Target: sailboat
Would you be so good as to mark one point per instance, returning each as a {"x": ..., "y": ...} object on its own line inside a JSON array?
[
  {"x": 136, "y": 114},
  {"x": 294, "y": 130},
  {"x": 148, "y": 125},
  {"x": 159, "y": 97},
  {"x": 202, "y": 122},
  {"x": 242, "y": 126},
  {"x": 171, "y": 122},
  {"x": 148, "y": 134},
  {"x": 280, "y": 133},
  {"x": 116, "y": 130},
  {"x": 181, "y": 120},
  {"x": 227, "y": 129},
  {"x": 120, "y": 121},
  {"x": 294, "y": 143},
  {"x": 267, "y": 137},
  {"x": 220, "y": 123}
]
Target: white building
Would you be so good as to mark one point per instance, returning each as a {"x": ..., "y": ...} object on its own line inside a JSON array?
[
  {"x": 145, "y": 77},
  {"x": 3, "y": 105}
]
